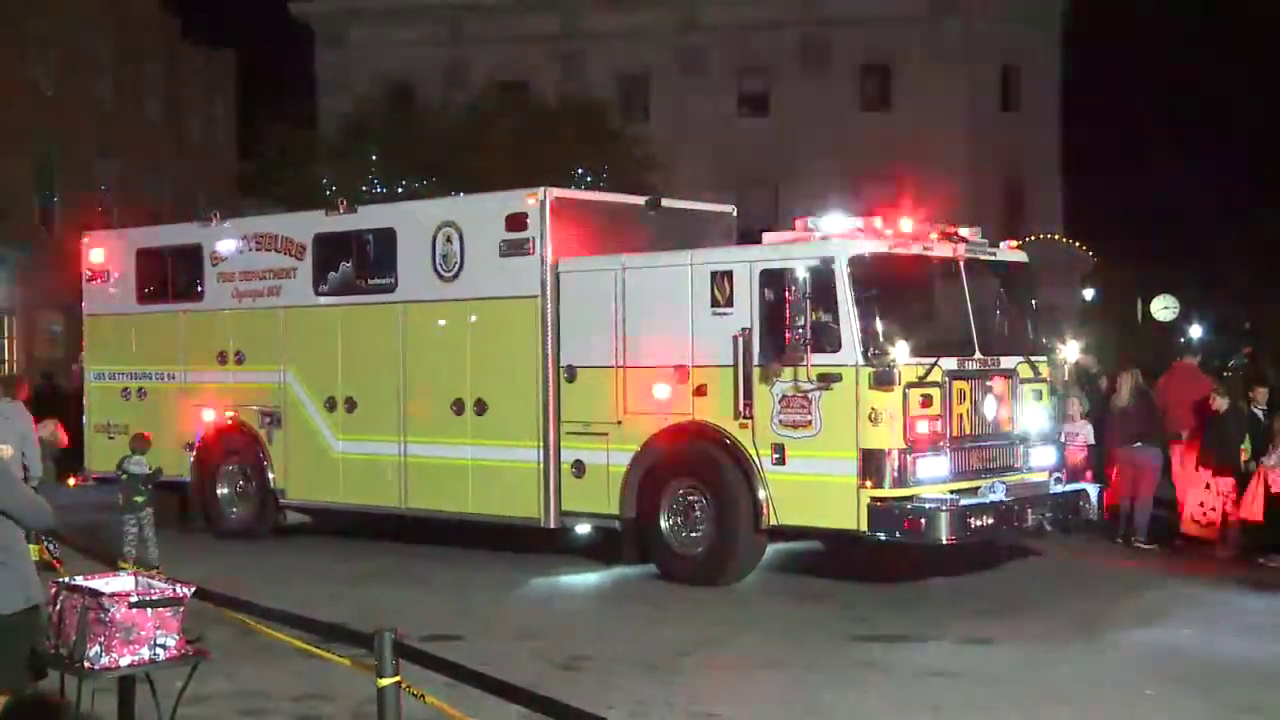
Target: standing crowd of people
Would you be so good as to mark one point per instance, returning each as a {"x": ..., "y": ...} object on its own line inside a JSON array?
[{"x": 1220, "y": 453}]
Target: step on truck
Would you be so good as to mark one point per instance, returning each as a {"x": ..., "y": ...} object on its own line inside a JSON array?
[{"x": 577, "y": 360}]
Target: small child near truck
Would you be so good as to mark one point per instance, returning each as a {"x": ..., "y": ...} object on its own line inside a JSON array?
[
  {"x": 137, "y": 478},
  {"x": 1078, "y": 441}
]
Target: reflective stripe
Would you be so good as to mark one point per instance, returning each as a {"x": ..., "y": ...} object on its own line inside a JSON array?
[
  {"x": 818, "y": 467},
  {"x": 231, "y": 377},
  {"x": 823, "y": 467}
]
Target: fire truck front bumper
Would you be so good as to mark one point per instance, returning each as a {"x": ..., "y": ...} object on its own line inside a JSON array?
[{"x": 946, "y": 520}]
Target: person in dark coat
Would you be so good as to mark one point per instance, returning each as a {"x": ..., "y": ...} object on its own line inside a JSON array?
[
  {"x": 1135, "y": 441},
  {"x": 1259, "y": 419},
  {"x": 47, "y": 399},
  {"x": 1223, "y": 454},
  {"x": 1264, "y": 538}
]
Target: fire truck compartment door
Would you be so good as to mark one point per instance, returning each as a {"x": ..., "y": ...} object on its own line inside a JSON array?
[
  {"x": 657, "y": 340},
  {"x": 589, "y": 352}
]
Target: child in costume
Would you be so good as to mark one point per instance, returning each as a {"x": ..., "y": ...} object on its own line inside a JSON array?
[{"x": 137, "y": 478}]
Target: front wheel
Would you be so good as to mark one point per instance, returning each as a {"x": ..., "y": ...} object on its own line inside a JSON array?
[
  {"x": 234, "y": 488},
  {"x": 699, "y": 520}
]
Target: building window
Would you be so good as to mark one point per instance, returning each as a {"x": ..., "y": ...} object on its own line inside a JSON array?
[
  {"x": 514, "y": 90},
  {"x": 169, "y": 274},
  {"x": 354, "y": 262},
  {"x": 1014, "y": 207},
  {"x": 633, "y": 98},
  {"x": 875, "y": 88},
  {"x": 814, "y": 55},
  {"x": 456, "y": 77},
  {"x": 153, "y": 86},
  {"x": 754, "y": 94},
  {"x": 691, "y": 61},
  {"x": 45, "y": 184},
  {"x": 573, "y": 74},
  {"x": 1010, "y": 88}
]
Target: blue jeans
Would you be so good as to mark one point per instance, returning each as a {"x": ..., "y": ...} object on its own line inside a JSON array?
[{"x": 1138, "y": 470}]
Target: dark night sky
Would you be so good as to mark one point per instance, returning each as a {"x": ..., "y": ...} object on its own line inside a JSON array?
[{"x": 1167, "y": 160}]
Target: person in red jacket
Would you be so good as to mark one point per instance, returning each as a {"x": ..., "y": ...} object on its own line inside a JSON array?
[{"x": 1182, "y": 395}]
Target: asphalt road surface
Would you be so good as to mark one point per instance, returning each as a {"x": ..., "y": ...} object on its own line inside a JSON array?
[{"x": 1060, "y": 628}]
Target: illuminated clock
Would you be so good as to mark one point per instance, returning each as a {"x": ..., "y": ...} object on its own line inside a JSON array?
[{"x": 1164, "y": 308}]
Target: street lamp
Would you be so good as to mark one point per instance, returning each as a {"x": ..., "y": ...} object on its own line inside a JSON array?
[
  {"x": 1088, "y": 294},
  {"x": 1196, "y": 331}
]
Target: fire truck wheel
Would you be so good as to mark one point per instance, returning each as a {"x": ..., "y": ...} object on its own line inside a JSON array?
[
  {"x": 699, "y": 519},
  {"x": 234, "y": 489}
]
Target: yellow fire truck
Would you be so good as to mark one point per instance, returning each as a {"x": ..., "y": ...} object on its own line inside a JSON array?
[{"x": 571, "y": 359}]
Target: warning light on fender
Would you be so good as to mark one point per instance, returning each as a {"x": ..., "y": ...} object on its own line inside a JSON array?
[
  {"x": 208, "y": 415},
  {"x": 97, "y": 256},
  {"x": 661, "y": 391},
  {"x": 906, "y": 224}
]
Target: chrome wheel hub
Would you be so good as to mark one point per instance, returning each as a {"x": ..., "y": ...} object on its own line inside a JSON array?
[
  {"x": 686, "y": 517},
  {"x": 235, "y": 491}
]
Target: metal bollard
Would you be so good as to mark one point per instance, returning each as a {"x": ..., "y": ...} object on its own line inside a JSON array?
[{"x": 387, "y": 667}]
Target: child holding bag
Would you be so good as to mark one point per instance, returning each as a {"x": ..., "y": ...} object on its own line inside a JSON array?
[
  {"x": 1261, "y": 503},
  {"x": 1223, "y": 451}
]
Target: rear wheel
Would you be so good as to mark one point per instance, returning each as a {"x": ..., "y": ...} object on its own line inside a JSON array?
[
  {"x": 699, "y": 519},
  {"x": 234, "y": 487}
]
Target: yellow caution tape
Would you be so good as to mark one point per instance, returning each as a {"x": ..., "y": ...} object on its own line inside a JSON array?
[{"x": 413, "y": 692}]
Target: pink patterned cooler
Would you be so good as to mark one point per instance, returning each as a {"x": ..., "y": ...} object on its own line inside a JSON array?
[{"x": 115, "y": 620}]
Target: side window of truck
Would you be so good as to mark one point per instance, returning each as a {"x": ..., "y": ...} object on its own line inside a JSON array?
[
  {"x": 824, "y": 311},
  {"x": 354, "y": 262},
  {"x": 169, "y": 274}
]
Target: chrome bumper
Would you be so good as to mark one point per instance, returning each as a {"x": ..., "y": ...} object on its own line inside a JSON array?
[{"x": 917, "y": 520}]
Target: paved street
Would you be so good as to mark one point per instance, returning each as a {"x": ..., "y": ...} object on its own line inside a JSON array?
[{"x": 1067, "y": 628}]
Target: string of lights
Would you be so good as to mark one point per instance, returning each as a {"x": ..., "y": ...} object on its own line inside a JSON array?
[
  {"x": 373, "y": 186},
  {"x": 1057, "y": 237}
]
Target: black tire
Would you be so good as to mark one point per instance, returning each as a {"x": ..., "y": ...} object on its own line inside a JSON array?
[
  {"x": 259, "y": 514},
  {"x": 734, "y": 546}
]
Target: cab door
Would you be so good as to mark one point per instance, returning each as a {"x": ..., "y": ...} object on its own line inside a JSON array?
[{"x": 805, "y": 408}]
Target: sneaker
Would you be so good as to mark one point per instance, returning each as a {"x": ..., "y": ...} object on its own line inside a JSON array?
[
  {"x": 1271, "y": 561},
  {"x": 1118, "y": 539},
  {"x": 1144, "y": 544}
]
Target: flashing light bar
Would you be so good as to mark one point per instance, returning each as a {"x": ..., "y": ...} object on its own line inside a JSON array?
[{"x": 839, "y": 223}]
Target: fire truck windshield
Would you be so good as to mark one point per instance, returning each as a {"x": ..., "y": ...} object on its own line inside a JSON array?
[
  {"x": 1003, "y": 308},
  {"x": 916, "y": 298}
]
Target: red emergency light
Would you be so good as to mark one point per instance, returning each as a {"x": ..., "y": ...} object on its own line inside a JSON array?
[{"x": 97, "y": 255}]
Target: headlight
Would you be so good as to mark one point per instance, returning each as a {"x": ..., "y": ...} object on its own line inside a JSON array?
[
  {"x": 1042, "y": 457},
  {"x": 932, "y": 467},
  {"x": 1034, "y": 420}
]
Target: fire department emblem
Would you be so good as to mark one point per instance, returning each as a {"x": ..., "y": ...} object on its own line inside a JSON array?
[
  {"x": 447, "y": 251},
  {"x": 797, "y": 409}
]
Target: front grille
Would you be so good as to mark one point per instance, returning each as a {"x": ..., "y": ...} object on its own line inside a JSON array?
[
  {"x": 985, "y": 459},
  {"x": 968, "y": 394}
]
